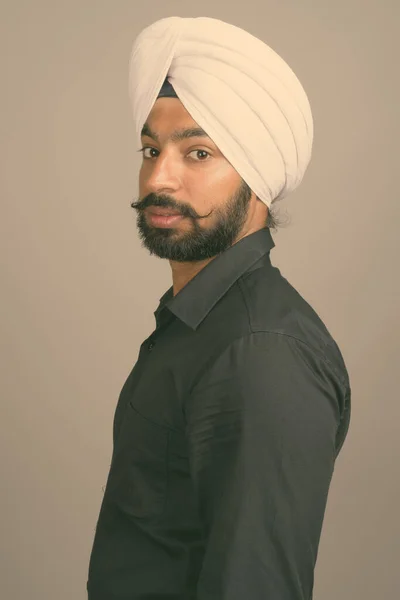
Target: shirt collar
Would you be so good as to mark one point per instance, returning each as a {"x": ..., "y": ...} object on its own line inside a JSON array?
[{"x": 195, "y": 300}]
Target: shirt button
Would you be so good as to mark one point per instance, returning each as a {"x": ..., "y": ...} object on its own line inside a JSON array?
[{"x": 151, "y": 346}]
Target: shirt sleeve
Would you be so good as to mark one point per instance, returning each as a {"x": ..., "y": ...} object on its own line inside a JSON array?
[{"x": 261, "y": 424}]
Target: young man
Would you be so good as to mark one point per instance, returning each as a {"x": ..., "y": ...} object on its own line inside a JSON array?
[{"x": 227, "y": 428}]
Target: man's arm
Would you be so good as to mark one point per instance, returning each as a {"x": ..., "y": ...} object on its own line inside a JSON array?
[{"x": 261, "y": 425}]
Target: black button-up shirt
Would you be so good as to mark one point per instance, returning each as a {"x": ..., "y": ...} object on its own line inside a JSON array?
[{"x": 225, "y": 439}]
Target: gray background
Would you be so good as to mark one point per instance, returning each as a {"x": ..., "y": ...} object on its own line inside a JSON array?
[{"x": 78, "y": 291}]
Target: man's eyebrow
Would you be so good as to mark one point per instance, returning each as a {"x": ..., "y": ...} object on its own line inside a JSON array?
[{"x": 176, "y": 136}]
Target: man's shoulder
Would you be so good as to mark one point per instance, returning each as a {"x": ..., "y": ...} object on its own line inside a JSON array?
[{"x": 274, "y": 306}]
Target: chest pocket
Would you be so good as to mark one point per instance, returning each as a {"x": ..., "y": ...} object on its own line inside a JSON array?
[{"x": 137, "y": 481}]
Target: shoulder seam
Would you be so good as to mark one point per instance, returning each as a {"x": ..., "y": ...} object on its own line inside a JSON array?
[{"x": 311, "y": 348}]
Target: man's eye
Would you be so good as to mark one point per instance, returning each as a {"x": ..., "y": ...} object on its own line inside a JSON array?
[
  {"x": 200, "y": 151},
  {"x": 143, "y": 150}
]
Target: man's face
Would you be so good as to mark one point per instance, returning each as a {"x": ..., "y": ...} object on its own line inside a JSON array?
[{"x": 189, "y": 176}]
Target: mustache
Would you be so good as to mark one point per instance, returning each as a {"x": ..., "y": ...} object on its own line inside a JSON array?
[{"x": 163, "y": 202}]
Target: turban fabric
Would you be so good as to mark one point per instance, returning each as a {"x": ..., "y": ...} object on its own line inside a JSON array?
[{"x": 239, "y": 90}]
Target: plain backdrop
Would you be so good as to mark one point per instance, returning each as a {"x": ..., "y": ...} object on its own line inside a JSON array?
[{"x": 78, "y": 290}]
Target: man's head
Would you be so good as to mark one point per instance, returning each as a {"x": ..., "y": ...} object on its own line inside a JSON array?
[
  {"x": 259, "y": 125},
  {"x": 189, "y": 175}
]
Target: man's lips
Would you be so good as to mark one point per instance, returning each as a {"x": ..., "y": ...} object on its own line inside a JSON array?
[{"x": 163, "y": 212}]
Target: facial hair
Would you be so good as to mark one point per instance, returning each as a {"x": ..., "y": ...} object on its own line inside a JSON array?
[{"x": 196, "y": 243}]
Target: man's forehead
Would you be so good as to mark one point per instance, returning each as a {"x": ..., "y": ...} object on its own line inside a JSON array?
[
  {"x": 173, "y": 133},
  {"x": 172, "y": 124},
  {"x": 170, "y": 106}
]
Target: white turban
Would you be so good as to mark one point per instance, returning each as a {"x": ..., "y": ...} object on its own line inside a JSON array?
[{"x": 239, "y": 90}]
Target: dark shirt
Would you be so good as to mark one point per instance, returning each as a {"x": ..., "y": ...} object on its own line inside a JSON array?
[{"x": 225, "y": 439}]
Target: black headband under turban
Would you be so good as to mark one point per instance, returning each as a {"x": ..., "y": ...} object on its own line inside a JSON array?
[{"x": 167, "y": 91}]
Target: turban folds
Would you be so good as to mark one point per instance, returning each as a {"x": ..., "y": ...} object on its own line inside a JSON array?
[{"x": 239, "y": 90}]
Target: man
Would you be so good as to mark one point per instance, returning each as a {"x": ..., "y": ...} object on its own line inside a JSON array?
[{"x": 227, "y": 428}]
